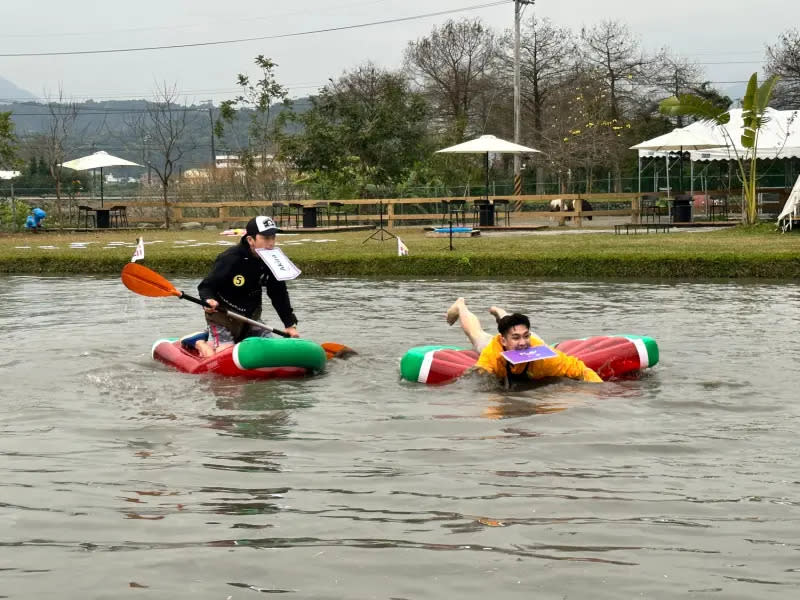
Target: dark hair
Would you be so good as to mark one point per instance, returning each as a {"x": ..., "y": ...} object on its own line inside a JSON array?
[{"x": 509, "y": 321}]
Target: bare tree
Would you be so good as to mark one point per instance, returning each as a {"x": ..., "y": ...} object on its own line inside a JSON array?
[
  {"x": 57, "y": 137},
  {"x": 547, "y": 53},
  {"x": 783, "y": 59},
  {"x": 162, "y": 127},
  {"x": 667, "y": 75},
  {"x": 452, "y": 66},
  {"x": 615, "y": 55}
]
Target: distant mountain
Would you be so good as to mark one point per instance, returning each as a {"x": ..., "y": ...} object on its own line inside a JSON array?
[
  {"x": 105, "y": 125},
  {"x": 10, "y": 92}
]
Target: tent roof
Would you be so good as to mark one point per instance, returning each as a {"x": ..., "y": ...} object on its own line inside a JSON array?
[
  {"x": 98, "y": 160},
  {"x": 681, "y": 138},
  {"x": 779, "y": 138},
  {"x": 488, "y": 143},
  {"x": 792, "y": 201}
]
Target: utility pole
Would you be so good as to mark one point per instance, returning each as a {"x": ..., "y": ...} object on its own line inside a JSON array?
[
  {"x": 518, "y": 4},
  {"x": 213, "y": 151}
]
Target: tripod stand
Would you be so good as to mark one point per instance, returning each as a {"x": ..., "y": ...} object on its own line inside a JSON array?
[{"x": 381, "y": 232}]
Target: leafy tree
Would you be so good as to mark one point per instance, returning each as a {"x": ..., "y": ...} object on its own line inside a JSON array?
[
  {"x": 754, "y": 106},
  {"x": 8, "y": 141},
  {"x": 257, "y": 98},
  {"x": 366, "y": 128}
]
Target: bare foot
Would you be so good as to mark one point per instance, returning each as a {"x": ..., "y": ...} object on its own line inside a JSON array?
[
  {"x": 498, "y": 313},
  {"x": 454, "y": 311}
]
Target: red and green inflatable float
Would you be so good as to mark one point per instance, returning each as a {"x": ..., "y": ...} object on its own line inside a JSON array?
[
  {"x": 611, "y": 357},
  {"x": 257, "y": 358}
]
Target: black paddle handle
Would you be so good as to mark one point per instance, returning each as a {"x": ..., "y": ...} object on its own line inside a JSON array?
[{"x": 235, "y": 315}]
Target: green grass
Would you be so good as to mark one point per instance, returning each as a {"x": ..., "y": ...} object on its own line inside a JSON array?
[{"x": 754, "y": 252}]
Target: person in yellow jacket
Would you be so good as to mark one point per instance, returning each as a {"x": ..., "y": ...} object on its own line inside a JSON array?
[{"x": 514, "y": 334}]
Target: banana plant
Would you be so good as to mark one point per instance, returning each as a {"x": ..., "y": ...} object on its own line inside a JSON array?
[{"x": 754, "y": 117}]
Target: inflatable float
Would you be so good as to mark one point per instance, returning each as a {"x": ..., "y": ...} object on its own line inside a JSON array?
[
  {"x": 259, "y": 358},
  {"x": 611, "y": 357}
]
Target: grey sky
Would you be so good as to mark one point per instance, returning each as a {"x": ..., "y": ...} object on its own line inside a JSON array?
[{"x": 709, "y": 31}]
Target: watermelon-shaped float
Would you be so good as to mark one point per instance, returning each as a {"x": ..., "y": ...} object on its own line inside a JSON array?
[{"x": 611, "y": 357}]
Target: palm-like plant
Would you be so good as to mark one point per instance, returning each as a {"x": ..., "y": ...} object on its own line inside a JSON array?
[{"x": 754, "y": 117}]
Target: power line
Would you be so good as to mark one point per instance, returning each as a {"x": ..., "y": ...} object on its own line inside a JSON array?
[
  {"x": 260, "y": 38},
  {"x": 172, "y": 28}
]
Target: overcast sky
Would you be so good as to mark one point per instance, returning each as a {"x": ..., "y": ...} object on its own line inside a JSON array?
[{"x": 727, "y": 39}]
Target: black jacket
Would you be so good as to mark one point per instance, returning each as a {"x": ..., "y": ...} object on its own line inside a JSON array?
[{"x": 236, "y": 280}]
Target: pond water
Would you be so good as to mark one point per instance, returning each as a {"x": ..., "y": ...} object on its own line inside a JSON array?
[{"x": 122, "y": 478}]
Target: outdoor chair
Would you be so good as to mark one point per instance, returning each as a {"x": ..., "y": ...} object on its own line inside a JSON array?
[
  {"x": 279, "y": 212},
  {"x": 322, "y": 214},
  {"x": 295, "y": 212},
  {"x": 502, "y": 211},
  {"x": 454, "y": 211},
  {"x": 718, "y": 207},
  {"x": 118, "y": 215},
  {"x": 650, "y": 210},
  {"x": 337, "y": 209},
  {"x": 85, "y": 213}
]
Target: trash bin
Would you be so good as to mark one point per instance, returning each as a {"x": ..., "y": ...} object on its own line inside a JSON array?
[
  {"x": 309, "y": 217},
  {"x": 682, "y": 206}
]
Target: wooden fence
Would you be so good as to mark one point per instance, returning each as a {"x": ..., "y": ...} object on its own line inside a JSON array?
[{"x": 396, "y": 211}]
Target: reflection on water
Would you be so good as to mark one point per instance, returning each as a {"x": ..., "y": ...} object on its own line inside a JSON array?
[{"x": 357, "y": 484}]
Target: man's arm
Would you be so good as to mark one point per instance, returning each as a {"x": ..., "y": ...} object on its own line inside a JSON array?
[
  {"x": 574, "y": 368},
  {"x": 207, "y": 288},
  {"x": 279, "y": 296}
]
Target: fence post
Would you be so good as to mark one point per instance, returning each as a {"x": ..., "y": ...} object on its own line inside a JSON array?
[
  {"x": 176, "y": 215},
  {"x": 389, "y": 214}
]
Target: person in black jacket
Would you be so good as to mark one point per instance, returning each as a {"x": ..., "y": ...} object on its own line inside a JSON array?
[{"x": 235, "y": 283}]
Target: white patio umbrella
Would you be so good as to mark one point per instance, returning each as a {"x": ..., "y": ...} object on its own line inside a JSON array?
[
  {"x": 680, "y": 140},
  {"x": 98, "y": 160},
  {"x": 487, "y": 144}
]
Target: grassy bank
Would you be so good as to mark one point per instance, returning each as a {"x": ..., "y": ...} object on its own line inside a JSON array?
[{"x": 757, "y": 252}]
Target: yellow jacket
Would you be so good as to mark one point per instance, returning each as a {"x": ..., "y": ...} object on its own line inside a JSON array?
[{"x": 492, "y": 361}]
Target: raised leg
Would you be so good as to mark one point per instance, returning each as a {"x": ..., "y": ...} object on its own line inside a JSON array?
[{"x": 458, "y": 311}]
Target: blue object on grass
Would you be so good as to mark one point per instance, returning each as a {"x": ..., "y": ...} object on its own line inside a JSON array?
[{"x": 455, "y": 229}]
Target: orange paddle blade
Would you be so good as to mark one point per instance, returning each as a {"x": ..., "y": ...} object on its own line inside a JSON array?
[
  {"x": 334, "y": 350},
  {"x": 138, "y": 278}
]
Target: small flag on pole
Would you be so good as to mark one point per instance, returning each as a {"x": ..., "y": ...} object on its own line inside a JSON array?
[
  {"x": 138, "y": 254},
  {"x": 402, "y": 249}
]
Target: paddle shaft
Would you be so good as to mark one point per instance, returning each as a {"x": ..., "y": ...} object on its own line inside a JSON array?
[{"x": 234, "y": 315}]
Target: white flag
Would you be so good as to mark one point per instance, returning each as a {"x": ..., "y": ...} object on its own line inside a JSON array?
[
  {"x": 402, "y": 249},
  {"x": 278, "y": 263},
  {"x": 138, "y": 254}
]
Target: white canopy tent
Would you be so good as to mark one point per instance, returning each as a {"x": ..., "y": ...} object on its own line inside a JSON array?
[
  {"x": 98, "y": 160},
  {"x": 791, "y": 208},
  {"x": 779, "y": 138},
  {"x": 488, "y": 144}
]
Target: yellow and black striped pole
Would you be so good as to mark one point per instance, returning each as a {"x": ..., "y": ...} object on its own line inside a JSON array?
[{"x": 517, "y": 191}]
